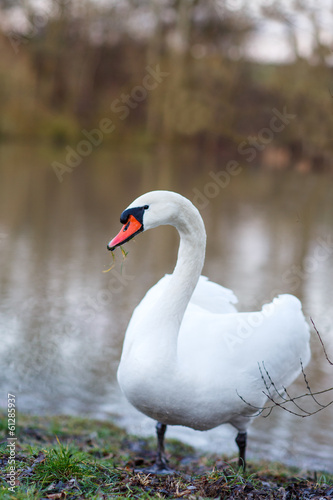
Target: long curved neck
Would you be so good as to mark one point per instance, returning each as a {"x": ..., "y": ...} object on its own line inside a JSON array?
[
  {"x": 152, "y": 337},
  {"x": 191, "y": 256}
]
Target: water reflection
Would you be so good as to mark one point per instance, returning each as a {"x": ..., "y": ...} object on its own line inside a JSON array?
[{"x": 62, "y": 319}]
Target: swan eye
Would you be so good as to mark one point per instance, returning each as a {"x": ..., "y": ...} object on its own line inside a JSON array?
[{"x": 146, "y": 207}]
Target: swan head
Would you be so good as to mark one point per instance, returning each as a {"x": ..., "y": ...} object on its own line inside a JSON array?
[{"x": 151, "y": 210}]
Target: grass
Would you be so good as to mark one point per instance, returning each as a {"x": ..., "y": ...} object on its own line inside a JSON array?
[{"x": 75, "y": 458}]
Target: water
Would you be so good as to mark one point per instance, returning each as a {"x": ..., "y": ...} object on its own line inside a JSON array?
[{"x": 63, "y": 320}]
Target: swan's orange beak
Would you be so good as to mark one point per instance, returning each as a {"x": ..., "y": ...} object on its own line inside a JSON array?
[{"x": 127, "y": 232}]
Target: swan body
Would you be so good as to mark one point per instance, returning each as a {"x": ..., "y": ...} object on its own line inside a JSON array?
[{"x": 189, "y": 357}]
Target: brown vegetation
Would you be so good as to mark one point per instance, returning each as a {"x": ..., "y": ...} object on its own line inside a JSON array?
[{"x": 76, "y": 63}]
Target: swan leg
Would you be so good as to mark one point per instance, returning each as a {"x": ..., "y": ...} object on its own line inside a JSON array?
[
  {"x": 160, "y": 466},
  {"x": 161, "y": 462},
  {"x": 241, "y": 443}
]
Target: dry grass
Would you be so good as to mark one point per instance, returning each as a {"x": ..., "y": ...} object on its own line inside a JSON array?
[{"x": 72, "y": 458}]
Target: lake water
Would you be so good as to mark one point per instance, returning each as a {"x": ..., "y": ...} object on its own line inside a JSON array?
[{"x": 63, "y": 320}]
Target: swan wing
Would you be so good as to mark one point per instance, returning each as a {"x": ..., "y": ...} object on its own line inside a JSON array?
[
  {"x": 213, "y": 297},
  {"x": 245, "y": 349}
]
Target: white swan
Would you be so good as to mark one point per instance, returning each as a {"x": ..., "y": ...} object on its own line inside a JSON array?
[{"x": 189, "y": 358}]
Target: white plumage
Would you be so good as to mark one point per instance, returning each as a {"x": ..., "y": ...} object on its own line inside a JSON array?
[{"x": 189, "y": 358}]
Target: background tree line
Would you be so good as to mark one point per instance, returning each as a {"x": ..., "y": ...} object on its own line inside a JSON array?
[{"x": 68, "y": 64}]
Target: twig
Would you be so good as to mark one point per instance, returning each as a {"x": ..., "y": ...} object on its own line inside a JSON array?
[
  {"x": 263, "y": 379},
  {"x": 272, "y": 383},
  {"x": 286, "y": 397},
  {"x": 281, "y": 405},
  {"x": 296, "y": 404},
  {"x": 308, "y": 387},
  {"x": 285, "y": 401},
  {"x": 259, "y": 410},
  {"x": 321, "y": 341}
]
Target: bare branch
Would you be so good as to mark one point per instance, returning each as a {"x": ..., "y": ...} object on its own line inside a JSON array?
[
  {"x": 308, "y": 414},
  {"x": 285, "y": 401},
  {"x": 272, "y": 383},
  {"x": 321, "y": 341},
  {"x": 296, "y": 404},
  {"x": 259, "y": 410},
  {"x": 308, "y": 387}
]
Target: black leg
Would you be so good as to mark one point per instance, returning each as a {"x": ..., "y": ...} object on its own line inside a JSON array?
[
  {"x": 160, "y": 466},
  {"x": 241, "y": 443},
  {"x": 161, "y": 461}
]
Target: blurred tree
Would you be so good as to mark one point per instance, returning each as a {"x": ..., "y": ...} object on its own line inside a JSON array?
[
  {"x": 76, "y": 58},
  {"x": 8, "y": 4},
  {"x": 298, "y": 14},
  {"x": 308, "y": 97}
]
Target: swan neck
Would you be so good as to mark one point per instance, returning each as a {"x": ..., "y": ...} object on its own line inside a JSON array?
[{"x": 190, "y": 260}]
